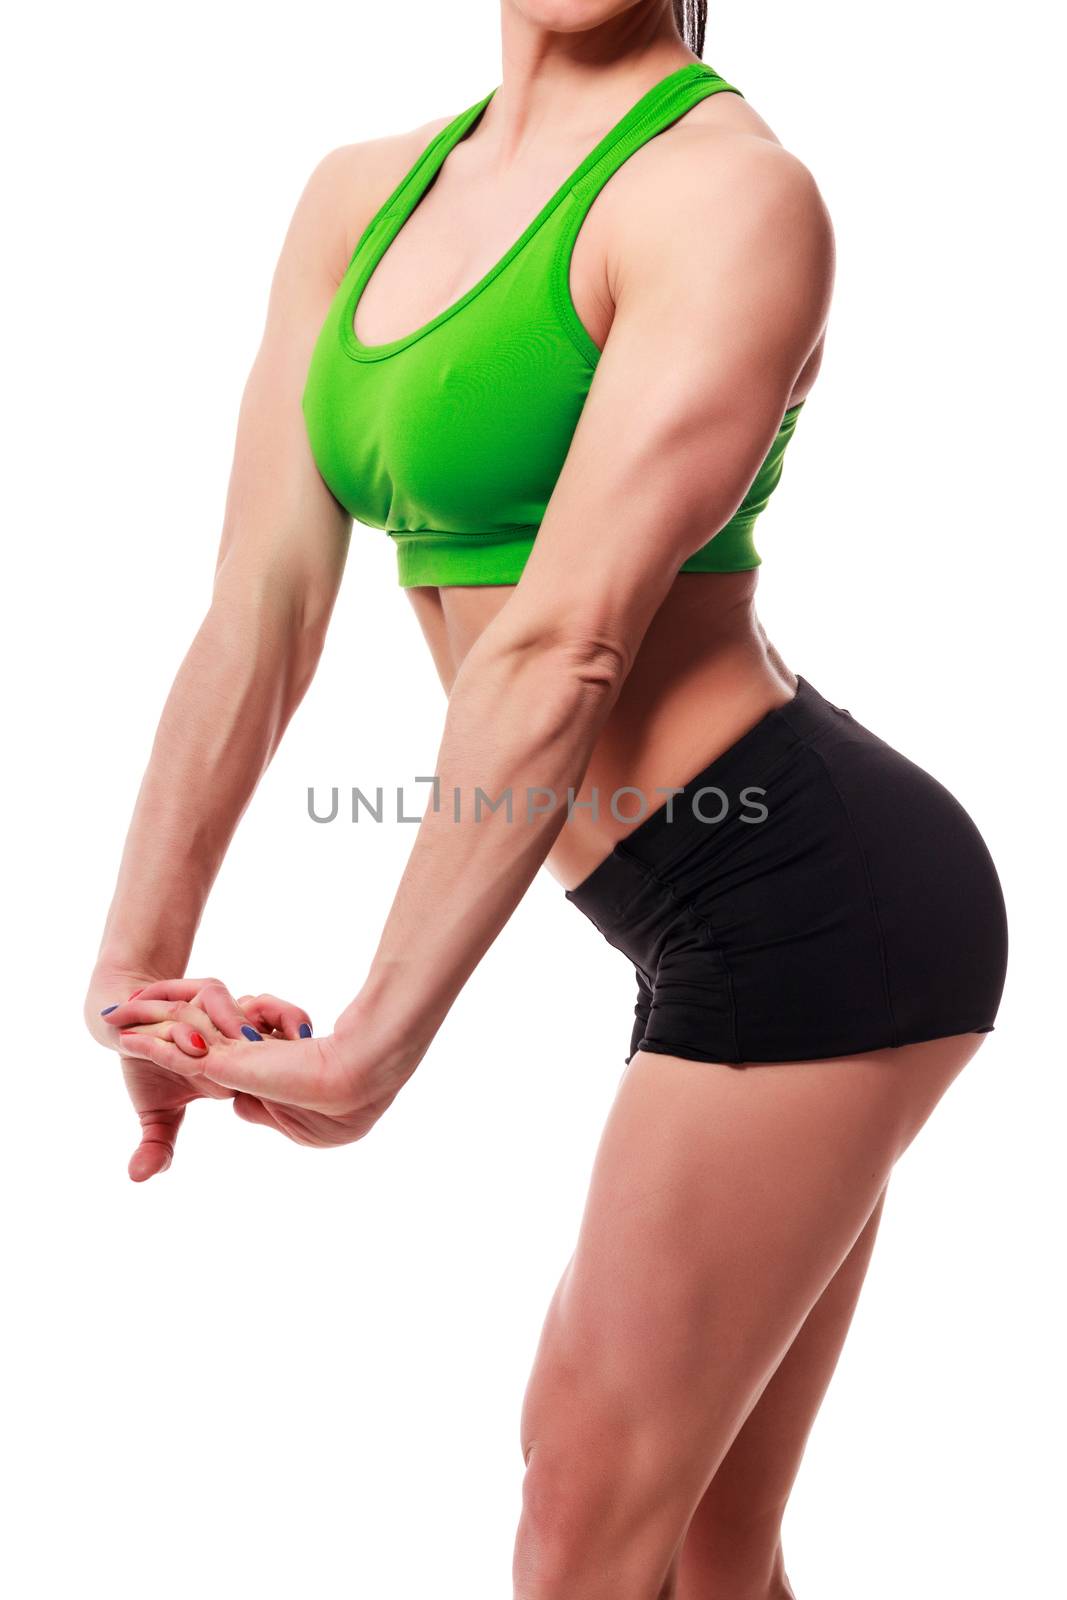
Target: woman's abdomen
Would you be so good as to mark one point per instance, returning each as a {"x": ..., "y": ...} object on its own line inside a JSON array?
[{"x": 704, "y": 675}]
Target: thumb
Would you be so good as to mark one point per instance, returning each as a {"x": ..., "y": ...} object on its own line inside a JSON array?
[
  {"x": 159, "y": 1129},
  {"x": 301, "y": 1072}
]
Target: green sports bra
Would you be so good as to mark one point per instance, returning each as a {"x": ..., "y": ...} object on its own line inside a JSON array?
[{"x": 451, "y": 438}]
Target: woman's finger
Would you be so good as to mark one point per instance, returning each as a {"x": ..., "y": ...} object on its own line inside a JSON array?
[
  {"x": 280, "y": 1118},
  {"x": 298, "y": 1072},
  {"x": 139, "y": 1012},
  {"x": 157, "y": 1047},
  {"x": 211, "y": 994},
  {"x": 250, "y": 1008},
  {"x": 292, "y": 1022},
  {"x": 264, "y": 1013},
  {"x": 309, "y": 1128},
  {"x": 154, "y": 1154},
  {"x": 210, "y": 1000},
  {"x": 188, "y": 1026},
  {"x": 222, "y": 1009},
  {"x": 188, "y": 1033},
  {"x": 251, "y": 1109}
]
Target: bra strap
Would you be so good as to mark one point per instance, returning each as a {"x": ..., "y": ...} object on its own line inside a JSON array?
[
  {"x": 413, "y": 185},
  {"x": 653, "y": 114},
  {"x": 672, "y": 100}
]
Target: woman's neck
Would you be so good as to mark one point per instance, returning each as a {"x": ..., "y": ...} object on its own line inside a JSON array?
[{"x": 569, "y": 86}]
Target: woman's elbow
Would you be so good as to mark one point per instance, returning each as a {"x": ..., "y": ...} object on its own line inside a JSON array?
[
  {"x": 567, "y": 667},
  {"x": 593, "y": 659},
  {"x": 279, "y": 630}
]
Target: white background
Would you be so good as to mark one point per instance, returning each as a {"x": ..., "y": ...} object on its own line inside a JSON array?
[{"x": 275, "y": 1372}]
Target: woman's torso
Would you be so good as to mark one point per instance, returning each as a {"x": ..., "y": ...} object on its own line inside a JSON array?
[
  {"x": 705, "y": 671},
  {"x": 704, "y": 674}
]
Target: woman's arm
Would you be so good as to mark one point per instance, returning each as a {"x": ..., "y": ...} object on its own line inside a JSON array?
[
  {"x": 282, "y": 554},
  {"x": 283, "y": 546},
  {"x": 721, "y": 295},
  {"x": 722, "y": 290}
]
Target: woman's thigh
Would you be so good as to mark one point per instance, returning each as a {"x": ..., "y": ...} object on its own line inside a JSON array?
[
  {"x": 721, "y": 1203},
  {"x": 733, "y": 1544}
]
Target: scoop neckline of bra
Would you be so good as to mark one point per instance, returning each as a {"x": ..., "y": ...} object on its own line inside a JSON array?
[{"x": 433, "y": 158}]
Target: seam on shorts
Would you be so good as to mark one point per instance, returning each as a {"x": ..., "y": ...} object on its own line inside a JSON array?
[
  {"x": 883, "y": 956},
  {"x": 636, "y": 1009},
  {"x": 706, "y": 928}
]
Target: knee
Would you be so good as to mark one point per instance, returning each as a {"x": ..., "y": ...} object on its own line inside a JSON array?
[
  {"x": 593, "y": 1525},
  {"x": 561, "y": 1498},
  {"x": 601, "y": 1496},
  {"x": 541, "y": 1564}
]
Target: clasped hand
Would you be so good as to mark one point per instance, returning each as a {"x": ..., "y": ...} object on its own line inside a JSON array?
[{"x": 187, "y": 1039}]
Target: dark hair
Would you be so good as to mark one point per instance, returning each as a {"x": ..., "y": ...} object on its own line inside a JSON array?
[{"x": 690, "y": 18}]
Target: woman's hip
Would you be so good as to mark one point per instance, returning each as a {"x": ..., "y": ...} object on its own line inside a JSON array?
[{"x": 811, "y": 892}]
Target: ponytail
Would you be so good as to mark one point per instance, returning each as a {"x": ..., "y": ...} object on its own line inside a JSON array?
[{"x": 690, "y": 17}]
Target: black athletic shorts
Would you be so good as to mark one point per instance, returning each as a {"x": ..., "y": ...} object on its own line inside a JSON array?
[{"x": 811, "y": 893}]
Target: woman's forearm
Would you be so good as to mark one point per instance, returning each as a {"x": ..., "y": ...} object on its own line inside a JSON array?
[
  {"x": 521, "y": 725},
  {"x": 239, "y": 684}
]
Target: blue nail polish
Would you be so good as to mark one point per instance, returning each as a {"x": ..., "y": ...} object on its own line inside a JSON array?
[
  {"x": 109, "y": 1009},
  {"x": 305, "y": 1030},
  {"x": 250, "y": 1033}
]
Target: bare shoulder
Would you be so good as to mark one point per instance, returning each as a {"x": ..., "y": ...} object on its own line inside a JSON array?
[
  {"x": 725, "y": 191},
  {"x": 351, "y": 183},
  {"x": 718, "y": 247}
]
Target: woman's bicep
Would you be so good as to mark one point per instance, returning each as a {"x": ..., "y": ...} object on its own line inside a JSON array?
[
  {"x": 719, "y": 305},
  {"x": 284, "y": 536}
]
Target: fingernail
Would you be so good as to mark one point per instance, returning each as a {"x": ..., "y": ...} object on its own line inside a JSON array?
[
  {"x": 198, "y": 1041},
  {"x": 250, "y": 1033},
  {"x": 305, "y": 1030},
  {"x": 109, "y": 1009}
]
